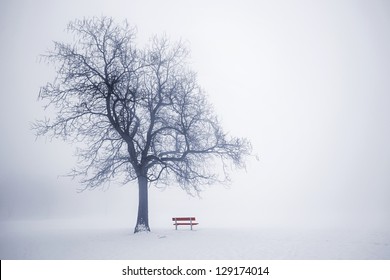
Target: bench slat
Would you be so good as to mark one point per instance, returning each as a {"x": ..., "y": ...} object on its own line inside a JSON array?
[
  {"x": 183, "y": 219},
  {"x": 185, "y": 224}
]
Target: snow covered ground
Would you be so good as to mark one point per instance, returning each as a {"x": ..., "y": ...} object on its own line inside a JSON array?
[{"x": 70, "y": 239}]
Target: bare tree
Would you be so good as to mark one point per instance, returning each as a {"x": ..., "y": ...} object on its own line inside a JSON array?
[{"x": 138, "y": 113}]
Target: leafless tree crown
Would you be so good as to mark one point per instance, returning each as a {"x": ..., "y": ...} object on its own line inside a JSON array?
[{"x": 137, "y": 112}]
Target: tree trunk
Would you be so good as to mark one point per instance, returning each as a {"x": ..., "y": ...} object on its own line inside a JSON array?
[{"x": 143, "y": 217}]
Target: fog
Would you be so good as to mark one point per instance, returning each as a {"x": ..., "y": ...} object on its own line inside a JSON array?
[{"x": 307, "y": 82}]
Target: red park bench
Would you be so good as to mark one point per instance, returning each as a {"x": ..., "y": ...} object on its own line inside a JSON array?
[{"x": 184, "y": 221}]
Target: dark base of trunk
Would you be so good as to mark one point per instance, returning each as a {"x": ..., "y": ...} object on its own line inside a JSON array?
[
  {"x": 141, "y": 228},
  {"x": 143, "y": 216}
]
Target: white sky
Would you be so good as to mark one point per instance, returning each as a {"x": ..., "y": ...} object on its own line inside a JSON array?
[{"x": 306, "y": 81}]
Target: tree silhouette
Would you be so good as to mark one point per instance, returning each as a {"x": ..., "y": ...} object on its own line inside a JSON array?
[{"x": 138, "y": 113}]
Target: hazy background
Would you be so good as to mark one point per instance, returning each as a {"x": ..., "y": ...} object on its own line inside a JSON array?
[{"x": 306, "y": 81}]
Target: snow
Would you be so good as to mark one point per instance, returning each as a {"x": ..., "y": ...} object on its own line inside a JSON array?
[{"x": 101, "y": 239}]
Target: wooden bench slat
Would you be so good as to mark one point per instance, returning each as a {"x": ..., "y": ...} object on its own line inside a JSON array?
[{"x": 183, "y": 219}]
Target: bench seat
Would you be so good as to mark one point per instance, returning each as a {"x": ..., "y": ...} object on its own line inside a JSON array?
[{"x": 185, "y": 224}]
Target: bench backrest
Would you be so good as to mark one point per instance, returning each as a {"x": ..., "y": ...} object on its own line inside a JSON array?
[{"x": 183, "y": 219}]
